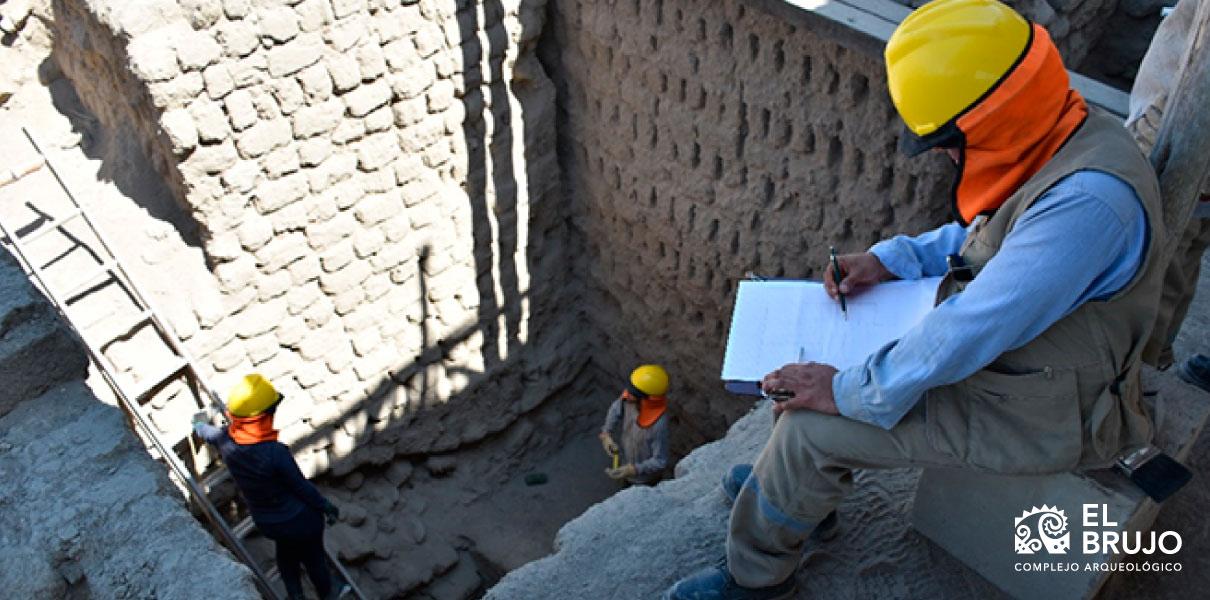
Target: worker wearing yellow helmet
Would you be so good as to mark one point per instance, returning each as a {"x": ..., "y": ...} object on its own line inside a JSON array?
[
  {"x": 640, "y": 413},
  {"x": 284, "y": 505},
  {"x": 1029, "y": 362}
]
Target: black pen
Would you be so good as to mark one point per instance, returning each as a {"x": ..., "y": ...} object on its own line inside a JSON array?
[{"x": 836, "y": 278}]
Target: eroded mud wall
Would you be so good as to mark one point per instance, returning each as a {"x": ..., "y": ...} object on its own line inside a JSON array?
[
  {"x": 701, "y": 141},
  {"x": 373, "y": 186}
]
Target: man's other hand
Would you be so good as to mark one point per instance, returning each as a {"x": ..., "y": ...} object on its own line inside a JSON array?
[
  {"x": 858, "y": 271},
  {"x": 811, "y": 384}
]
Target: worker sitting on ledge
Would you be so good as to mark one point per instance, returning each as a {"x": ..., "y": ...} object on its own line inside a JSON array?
[
  {"x": 640, "y": 411},
  {"x": 1029, "y": 363},
  {"x": 284, "y": 505}
]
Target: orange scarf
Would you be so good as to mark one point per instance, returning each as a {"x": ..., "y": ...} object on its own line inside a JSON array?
[
  {"x": 651, "y": 409},
  {"x": 1012, "y": 132},
  {"x": 251, "y": 430}
]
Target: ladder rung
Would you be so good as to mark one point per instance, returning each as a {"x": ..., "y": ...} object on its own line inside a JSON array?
[
  {"x": 53, "y": 225},
  {"x": 147, "y": 386},
  {"x": 214, "y": 479},
  {"x": 89, "y": 280},
  {"x": 243, "y": 528}
]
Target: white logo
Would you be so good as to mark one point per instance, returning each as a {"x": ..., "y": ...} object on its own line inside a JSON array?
[{"x": 1048, "y": 530}]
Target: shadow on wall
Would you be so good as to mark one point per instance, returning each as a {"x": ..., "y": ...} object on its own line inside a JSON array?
[
  {"x": 531, "y": 345},
  {"x": 123, "y": 161}
]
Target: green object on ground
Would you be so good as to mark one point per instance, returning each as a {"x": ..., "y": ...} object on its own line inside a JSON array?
[{"x": 536, "y": 479}]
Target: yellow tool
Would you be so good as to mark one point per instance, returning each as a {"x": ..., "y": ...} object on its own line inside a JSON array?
[{"x": 615, "y": 460}]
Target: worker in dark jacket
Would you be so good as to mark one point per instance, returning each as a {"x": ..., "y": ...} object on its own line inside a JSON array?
[
  {"x": 284, "y": 505},
  {"x": 639, "y": 413}
]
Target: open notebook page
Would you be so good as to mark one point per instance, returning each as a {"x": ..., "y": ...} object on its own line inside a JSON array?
[{"x": 780, "y": 322}]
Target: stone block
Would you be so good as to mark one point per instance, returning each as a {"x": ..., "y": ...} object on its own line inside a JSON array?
[
  {"x": 368, "y": 241},
  {"x": 240, "y": 110},
  {"x": 278, "y": 23},
  {"x": 210, "y": 121},
  {"x": 968, "y": 513},
  {"x": 178, "y": 91},
  {"x": 274, "y": 194},
  {"x": 376, "y": 208},
  {"x": 440, "y": 96},
  {"x": 414, "y": 81},
  {"x": 377, "y": 150},
  {"x": 263, "y": 137},
  {"x": 327, "y": 233},
  {"x": 316, "y": 83},
  {"x": 235, "y": 274},
  {"x": 152, "y": 58},
  {"x": 346, "y": 279},
  {"x": 259, "y": 317},
  {"x": 237, "y": 9},
  {"x": 314, "y": 151},
  {"x": 368, "y": 97},
  {"x": 302, "y": 52},
  {"x": 218, "y": 81},
  {"x": 289, "y": 95},
  {"x": 345, "y": 8},
  {"x": 291, "y": 331},
  {"x": 282, "y": 161},
  {"x": 345, "y": 72},
  {"x": 314, "y": 14},
  {"x": 301, "y": 296},
  {"x": 178, "y": 125},
  {"x": 242, "y": 176},
  {"x": 317, "y": 343},
  {"x": 213, "y": 159},
  {"x": 337, "y": 256},
  {"x": 314, "y": 120},
  {"x": 339, "y": 357},
  {"x": 347, "y": 33},
  {"x": 201, "y": 14},
  {"x": 197, "y": 50},
  {"x": 254, "y": 232},
  {"x": 281, "y": 251},
  {"x": 304, "y": 270},
  {"x": 237, "y": 38},
  {"x": 411, "y": 111},
  {"x": 381, "y": 119},
  {"x": 370, "y": 60}
]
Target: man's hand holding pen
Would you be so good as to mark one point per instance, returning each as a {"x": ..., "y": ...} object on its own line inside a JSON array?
[
  {"x": 857, "y": 272},
  {"x": 811, "y": 386}
]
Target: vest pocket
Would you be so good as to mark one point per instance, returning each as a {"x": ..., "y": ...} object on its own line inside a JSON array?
[{"x": 1027, "y": 423}]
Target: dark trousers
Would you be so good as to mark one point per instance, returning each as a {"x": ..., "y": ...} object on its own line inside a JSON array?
[{"x": 300, "y": 543}]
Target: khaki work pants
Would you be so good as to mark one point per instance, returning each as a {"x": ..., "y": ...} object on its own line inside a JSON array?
[
  {"x": 1180, "y": 282},
  {"x": 803, "y": 473}
]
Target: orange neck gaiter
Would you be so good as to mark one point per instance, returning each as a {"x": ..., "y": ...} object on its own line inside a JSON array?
[
  {"x": 251, "y": 430},
  {"x": 1016, "y": 129},
  {"x": 651, "y": 409}
]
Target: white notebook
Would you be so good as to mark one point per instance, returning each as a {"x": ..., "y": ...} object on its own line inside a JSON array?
[{"x": 785, "y": 321}]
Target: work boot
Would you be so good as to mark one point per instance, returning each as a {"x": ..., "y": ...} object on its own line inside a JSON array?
[
  {"x": 733, "y": 482},
  {"x": 1196, "y": 370},
  {"x": 716, "y": 583}
]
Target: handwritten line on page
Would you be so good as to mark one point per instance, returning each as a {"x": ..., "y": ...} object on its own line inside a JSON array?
[{"x": 780, "y": 322}]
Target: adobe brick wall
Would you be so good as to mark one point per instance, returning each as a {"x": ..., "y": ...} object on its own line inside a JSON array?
[
  {"x": 700, "y": 141},
  {"x": 374, "y": 185}
]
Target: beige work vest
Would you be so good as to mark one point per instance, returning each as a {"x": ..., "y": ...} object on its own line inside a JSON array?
[{"x": 1070, "y": 397}]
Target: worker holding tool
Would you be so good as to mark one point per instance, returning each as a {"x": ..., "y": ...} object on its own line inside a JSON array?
[
  {"x": 284, "y": 505},
  {"x": 1029, "y": 363},
  {"x": 640, "y": 411}
]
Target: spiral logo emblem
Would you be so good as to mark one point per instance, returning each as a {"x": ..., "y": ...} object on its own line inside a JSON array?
[{"x": 1041, "y": 528}]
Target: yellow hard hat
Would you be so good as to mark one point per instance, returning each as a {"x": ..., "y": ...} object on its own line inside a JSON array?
[
  {"x": 945, "y": 57},
  {"x": 252, "y": 396},
  {"x": 650, "y": 379}
]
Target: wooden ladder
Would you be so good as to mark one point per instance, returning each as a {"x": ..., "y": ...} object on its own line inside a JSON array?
[{"x": 191, "y": 466}]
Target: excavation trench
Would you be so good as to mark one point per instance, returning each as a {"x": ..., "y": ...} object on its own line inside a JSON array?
[{"x": 447, "y": 230}]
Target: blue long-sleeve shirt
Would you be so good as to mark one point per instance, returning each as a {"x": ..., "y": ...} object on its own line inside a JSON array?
[
  {"x": 1083, "y": 240},
  {"x": 266, "y": 475}
]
